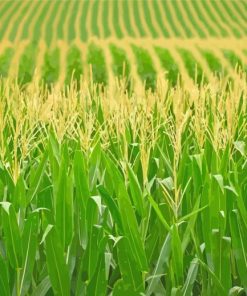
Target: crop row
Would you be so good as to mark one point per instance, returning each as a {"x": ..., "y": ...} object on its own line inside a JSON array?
[
  {"x": 69, "y": 20},
  {"x": 123, "y": 194},
  {"x": 133, "y": 60}
]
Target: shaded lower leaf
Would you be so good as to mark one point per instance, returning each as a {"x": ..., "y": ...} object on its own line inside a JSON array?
[
  {"x": 12, "y": 235},
  {"x": 191, "y": 278},
  {"x": 98, "y": 283},
  {"x": 43, "y": 287},
  {"x": 177, "y": 255},
  {"x": 132, "y": 281},
  {"x": 29, "y": 245},
  {"x": 159, "y": 267},
  {"x": 239, "y": 246},
  {"x": 57, "y": 268},
  {"x": 4, "y": 278}
]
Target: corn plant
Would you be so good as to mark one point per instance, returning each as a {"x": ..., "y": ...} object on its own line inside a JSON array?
[{"x": 106, "y": 192}]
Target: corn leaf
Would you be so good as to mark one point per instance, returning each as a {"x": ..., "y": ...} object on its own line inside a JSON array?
[
  {"x": 239, "y": 247},
  {"x": 29, "y": 245},
  {"x": 191, "y": 278},
  {"x": 136, "y": 192},
  {"x": 111, "y": 204},
  {"x": 159, "y": 267},
  {"x": 64, "y": 206},
  {"x": 132, "y": 281},
  {"x": 4, "y": 278},
  {"x": 177, "y": 255},
  {"x": 57, "y": 268},
  {"x": 36, "y": 179},
  {"x": 12, "y": 235},
  {"x": 130, "y": 224}
]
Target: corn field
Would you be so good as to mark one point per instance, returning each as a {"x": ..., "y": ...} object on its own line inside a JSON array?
[
  {"x": 140, "y": 39},
  {"x": 123, "y": 159}
]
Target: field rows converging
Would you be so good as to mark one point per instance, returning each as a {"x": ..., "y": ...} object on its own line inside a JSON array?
[
  {"x": 207, "y": 35},
  {"x": 102, "y": 19},
  {"x": 157, "y": 56}
]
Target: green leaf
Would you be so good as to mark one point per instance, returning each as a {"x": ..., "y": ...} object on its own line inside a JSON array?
[
  {"x": 64, "y": 206},
  {"x": 97, "y": 200},
  {"x": 82, "y": 194},
  {"x": 159, "y": 267},
  {"x": 177, "y": 255},
  {"x": 240, "y": 146},
  {"x": 29, "y": 245},
  {"x": 98, "y": 284},
  {"x": 239, "y": 247},
  {"x": 216, "y": 256},
  {"x": 43, "y": 287},
  {"x": 176, "y": 291},
  {"x": 20, "y": 193},
  {"x": 218, "y": 288},
  {"x": 166, "y": 160},
  {"x": 130, "y": 224},
  {"x": 225, "y": 272},
  {"x": 235, "y": 291},
  {"x": 191, "y": 278},
  {"x": 221, "y": 258},
  {"x": 90, "y": 258},
  {"x": 54, "y": 159},
  {"x": 92, "y": 215},
  {"x": 121, "y": 288},
  {"x": 7, "y": 179},
  {"x": 36, "y": 179},
  {"x": 191, "y": 224},
  {"x": 4, "y": 278},
  {"x": 57, "y": 268},
  {"x": 95, "y": 249},
  {"x": 220, "y": 181},
  {"x": 108, "y": 259},
  {"x": 132, "y": 281},
  {"x": 111, "y": 204},
  {"x": 12, "y": 235},
  {"x": 168, "y": 182},
  {"x": 197, "y": 172},
  {"x": 136, "y": 192},
  {"x": 81, "y": 178},
  {"x": 158, "y": 212}
]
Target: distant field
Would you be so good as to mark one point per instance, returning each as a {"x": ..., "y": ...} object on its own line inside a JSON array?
[
  {"x": 69, "y": 20},
  {"x": 148, "y": 37}
]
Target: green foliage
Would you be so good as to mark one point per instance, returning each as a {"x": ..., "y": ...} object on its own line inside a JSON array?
[
  {"x": 96, "y": 60},
  {"x": 50, "y": 69},
  {"x": 121, "y": 66},
  {"x": 84, "y": 221},
  {"x": 168, "y": 64},
  {"x": 232, "y": 58},
  {"x": 27, "y": 64},
  {"x": 118, "y": 30},
  {"x": 130, "y": 193},
  {"x": 74, "y": 65},
  {"x": 213, "y": 62},
  {"x": 194, "y": 69},
  {"x": 5, "y": 60},
  {"x": 145, "y": 67}
]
